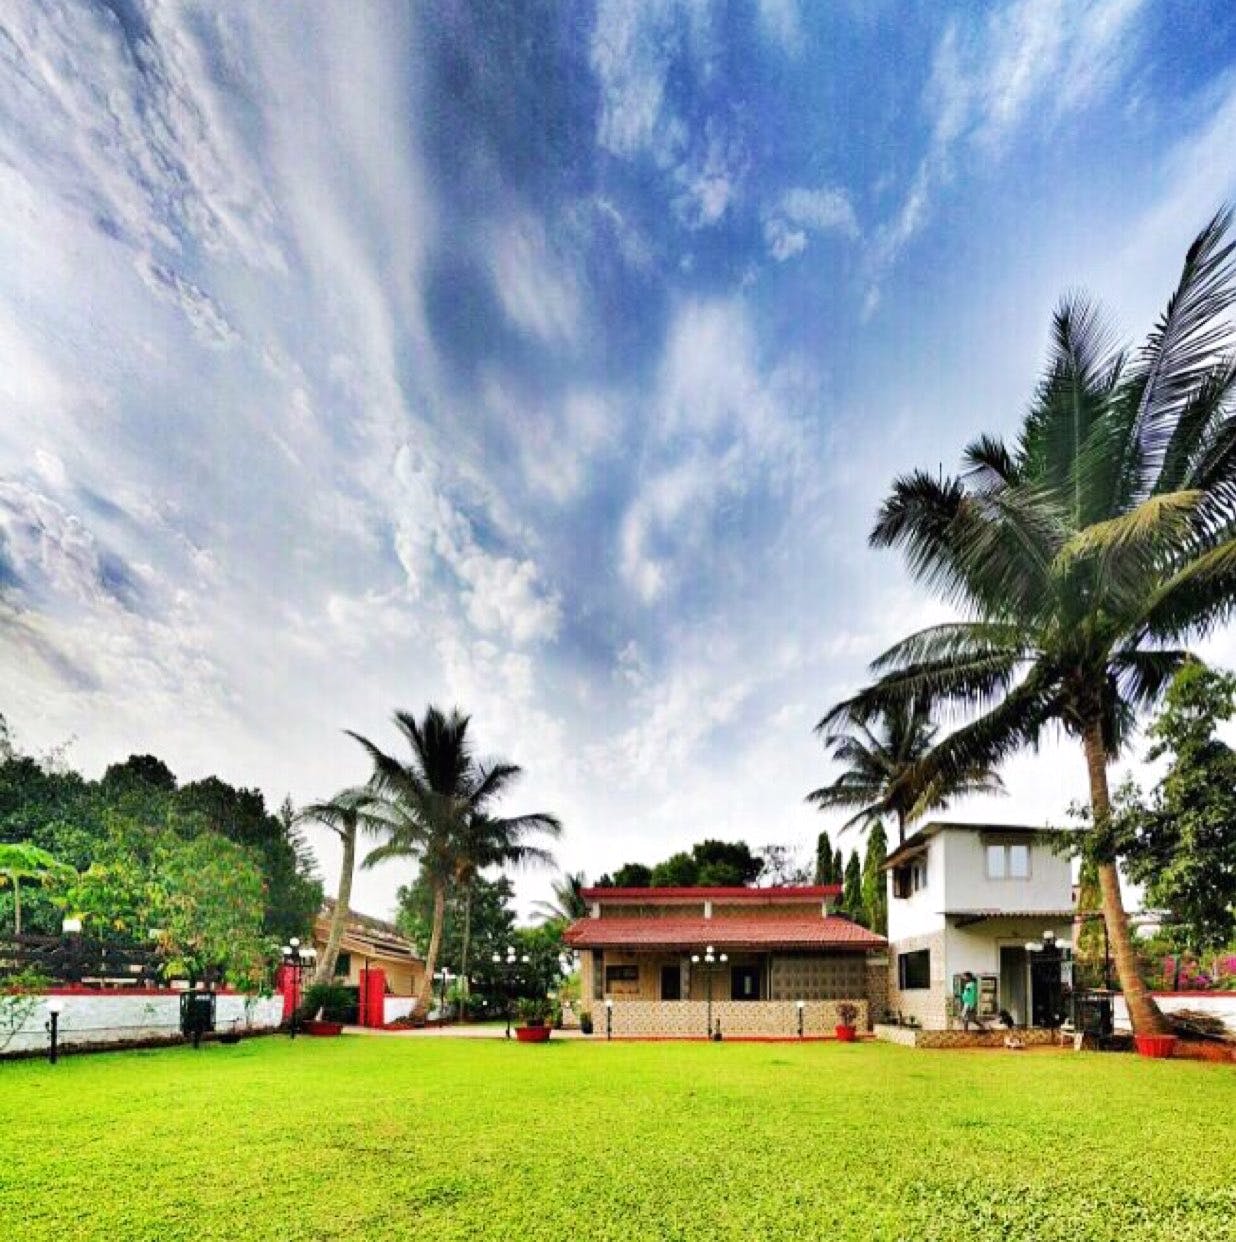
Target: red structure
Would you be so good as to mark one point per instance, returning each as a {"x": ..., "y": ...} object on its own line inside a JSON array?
[
  {"x": 373, "y": 997},
  {"x": 287, "y": 984}
]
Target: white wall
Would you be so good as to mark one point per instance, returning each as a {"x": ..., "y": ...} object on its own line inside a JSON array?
[
  {"x": 920, "y": 914},
  {"x": 395, "y": 1007},
  {"x": 117, "y": 1017},
  {"x": 977, "y": 948},
  {"x": 1050, "y": 886},
  {"x": 1221, "y": 1005}
]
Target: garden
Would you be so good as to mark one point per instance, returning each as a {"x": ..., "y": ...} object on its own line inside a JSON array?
[{"x": 371, "y": 1136}]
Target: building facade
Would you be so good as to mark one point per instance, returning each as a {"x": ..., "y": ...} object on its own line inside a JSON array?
[
  {"x": 995, "y": 900},
  {"x": 668, "y": 961},
  {"x": 371, "y": 944}
]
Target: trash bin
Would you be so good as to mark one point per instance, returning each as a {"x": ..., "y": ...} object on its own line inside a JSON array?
[
  {"x": 1092, "y": 1013},
  {"x": 197, "y": 1015}
]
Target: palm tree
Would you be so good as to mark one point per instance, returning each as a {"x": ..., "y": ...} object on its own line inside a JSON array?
[
  {"x": 1084, "y": 555},
  {"x": 488, "y": 842},
  {"x": 344, "y": 814},
  {"x": 429, "y": 809},
  {"x": 568, "y": 902},
  {"x": 20, "y": 861},
  {"x": 883, "y": 776}
]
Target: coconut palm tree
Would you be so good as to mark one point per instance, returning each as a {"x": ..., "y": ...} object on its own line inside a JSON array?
[
  {"x": 568, "y": 902},
  {"x": 434, "y": 809},
  {"x": 1083, "y": 556},
  {"x": 883, "y": 775},
  {"x": 345, "y": 815},
  {"x": 21, "y": 862},
  {"x": 489, "y": 842}
]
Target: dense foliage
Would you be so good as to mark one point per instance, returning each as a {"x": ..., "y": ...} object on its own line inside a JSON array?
[
  {"x": 707, "y": 864},
  {"x": 478, "y": 1139},
  {"x": 1181, "y": 842}
]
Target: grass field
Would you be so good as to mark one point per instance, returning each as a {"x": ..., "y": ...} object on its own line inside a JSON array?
[{"x": 400, "y": 1138}]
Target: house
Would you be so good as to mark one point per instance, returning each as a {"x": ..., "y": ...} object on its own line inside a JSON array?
[
  {"x": 371, "y": 944},
  {"x": 996, "y": 900},
  {"x": 680, "y": 961}
]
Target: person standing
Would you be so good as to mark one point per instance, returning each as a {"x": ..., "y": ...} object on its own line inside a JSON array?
[{"x": 969, "y": 1001}]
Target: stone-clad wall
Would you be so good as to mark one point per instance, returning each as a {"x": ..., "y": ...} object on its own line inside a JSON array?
[
  {"x": 638, "y": 1017},
  {"x": 928, "y": 1005},
  {"x": 910, "y": 1038}
]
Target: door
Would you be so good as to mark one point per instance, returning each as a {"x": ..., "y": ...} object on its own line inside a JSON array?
[
  {"x": 1013, "y": 971},
  {"x": 744, "y": 983},
  {"x": 671, "y": 982},
  {"x": 1046, "y": 992}
]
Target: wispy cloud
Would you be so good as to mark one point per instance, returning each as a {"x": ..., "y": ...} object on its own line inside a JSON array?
[{"x": 800, "y": 212}]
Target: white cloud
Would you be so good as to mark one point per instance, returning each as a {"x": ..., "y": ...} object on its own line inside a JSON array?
[
  {"x": 782, "y": 23},
  {"x": 802, "y": 211},
  {"x": 536, "y": 288}
]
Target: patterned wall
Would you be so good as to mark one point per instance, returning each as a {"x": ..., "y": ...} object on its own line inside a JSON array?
[
  {"x": 819, "y": 977},
  {"x": 736, "y": 1017}
]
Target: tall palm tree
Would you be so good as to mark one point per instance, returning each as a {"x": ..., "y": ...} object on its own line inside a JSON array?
[
  {"x": 345, "y": 814},
  {"x": 20, "y": 862},
  {"x": 1085, "y": 555},
  {"x": 435, "y": 809},
  {"x": 567, "y": 903},
  {"x": 489, "y": 842},
  {"x": 883, "y": 775}
]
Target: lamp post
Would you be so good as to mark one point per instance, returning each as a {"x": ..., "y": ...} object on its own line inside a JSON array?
[
  {"x": 509, "y": 965},
  {"x": 297, "y": 960},
  {"x": 800, "y": 1006},
  {"x": 55, "y": 1004},
  {"x": 710, "y": 959},
  {"x": 609, "y": 1017},
  {"x": 444, "y": 976}
]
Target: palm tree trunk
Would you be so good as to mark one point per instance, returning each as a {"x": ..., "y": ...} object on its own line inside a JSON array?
[
  {"x": 1144, "y": 1014},
  {"x": 425, "y": 995},
  {"x": 339, "y": 919},
  {"x": 463, "y": 956}
]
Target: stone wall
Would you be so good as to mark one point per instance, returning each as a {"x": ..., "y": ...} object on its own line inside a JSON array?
[
  {"x": 909, "y": 1037},
  {"x": 689, "y": 1018},
  {"x": 928, "y": 1005}
]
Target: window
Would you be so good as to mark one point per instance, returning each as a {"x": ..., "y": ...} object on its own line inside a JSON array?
[
  {"x": 598, "y": 975},
  {"x": 1009, "y": 861},
  {"x": 910, "y": 877},
  {"x": 621, "y": 974},
  {"x": 343, "y": 966},
  {"x": 914, "y": 969}
]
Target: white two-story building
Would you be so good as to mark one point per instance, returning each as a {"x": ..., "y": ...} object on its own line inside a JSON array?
[{"x": 983, "y": 898}]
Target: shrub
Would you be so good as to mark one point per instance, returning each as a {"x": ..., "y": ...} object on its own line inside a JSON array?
[
  {"x": 847, "y": 1013},
  {"x": 533, "y": 1010},
  {"x": 585, "y": 1022},
  {"x": 334, "y": 1001}
]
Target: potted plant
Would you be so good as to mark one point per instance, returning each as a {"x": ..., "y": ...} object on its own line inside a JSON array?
[
  {"x": 585, "y": 1022},
  {"x": 534, "y": 1013},
  {"x": 325, "y": 1008},
  {"x": 846, "y": 1031},
  {"x": 1158, "y": 1046}
]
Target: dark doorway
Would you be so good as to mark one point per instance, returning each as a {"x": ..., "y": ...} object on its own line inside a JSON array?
[
  {"x": 744, "y": 983},
  {"x": 671, "y": 983},
  {"x": 1013, "y": 971},
  {"x": 1046, "y": 991}
]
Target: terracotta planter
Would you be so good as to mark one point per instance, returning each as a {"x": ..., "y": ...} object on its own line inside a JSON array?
[
  {"x": 1158, "y": 1046},
  {"x": 532, "y": 1034},
  {"x": 846, "y": 1034},
  {"x": 315, "y": 1026}
]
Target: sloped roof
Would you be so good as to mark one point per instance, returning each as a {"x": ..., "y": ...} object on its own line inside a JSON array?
[
  {"x": 379, "y": 933},
  {"x": 725, "y": 933},
  {"x": 773, "y": 895}
]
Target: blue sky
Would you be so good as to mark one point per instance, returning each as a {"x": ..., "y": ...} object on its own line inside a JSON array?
[{"x": 546, "y": 359}]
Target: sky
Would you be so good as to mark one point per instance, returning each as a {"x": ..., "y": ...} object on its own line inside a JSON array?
[{"x": 547, "y": 360}]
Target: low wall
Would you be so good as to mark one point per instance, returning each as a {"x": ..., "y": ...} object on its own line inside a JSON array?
[
  {"x": 690, "y": 1018},
  {"x": 1221, "y": 1005},
  {"x": 396, "y": 1007},
  {"x": 911, "y": 1037},
  {"x": 125, "y": 1017}
]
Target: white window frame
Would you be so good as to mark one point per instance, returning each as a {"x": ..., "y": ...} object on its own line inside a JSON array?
[{"x": 1006, "y": 854}]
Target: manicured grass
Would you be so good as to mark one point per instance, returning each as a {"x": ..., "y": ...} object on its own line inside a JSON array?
[{"x": 405, "y": 1138}]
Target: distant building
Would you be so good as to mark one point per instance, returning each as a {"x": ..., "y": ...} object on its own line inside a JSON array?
[{"x": 370, "y": 943}]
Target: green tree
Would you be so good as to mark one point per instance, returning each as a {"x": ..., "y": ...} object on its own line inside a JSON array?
[
  {"x": 838, "y": 867},
  {"x": 852, "y": 893},
  {"x": 1084, "y": 555},
  {"x": 824, "y": 860},
  {"x": 678, "y": 871},
  {"x": 427, "y": 806},
  {"x": 875, "y": 889},
  {"x": 884, "y": 775},
  {"x": 21, "y": 864},
  {"x": 1182, "y": 845},
  {"x": 629, "y": 875},
  {"x": 567, "y": 903}
]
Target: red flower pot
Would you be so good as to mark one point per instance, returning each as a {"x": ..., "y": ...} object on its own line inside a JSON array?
[
  {"x": 1160, "y": 1046},
  {"x": 315, "y": 1026},
  {"x": 846, "y": 1034},
  {"x": 532, "y": 1034}
]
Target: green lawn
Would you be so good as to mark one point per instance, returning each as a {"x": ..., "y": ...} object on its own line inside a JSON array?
[{"x": 401, "y": 1138}]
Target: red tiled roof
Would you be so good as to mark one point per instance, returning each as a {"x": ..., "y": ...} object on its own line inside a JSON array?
[
  {"x": 757, "y": 896},
  {"x": 744, "y": 932}
]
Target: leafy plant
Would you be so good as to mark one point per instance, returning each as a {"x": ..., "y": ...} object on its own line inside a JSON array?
[
  {"x": 585, "y": 1021},
  {"x": 534, "y": 1010},
  {"x": 333, "y": 1002},
  {"x": 20, "y": 996},
  {"x": 847, "y": 1012}
]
